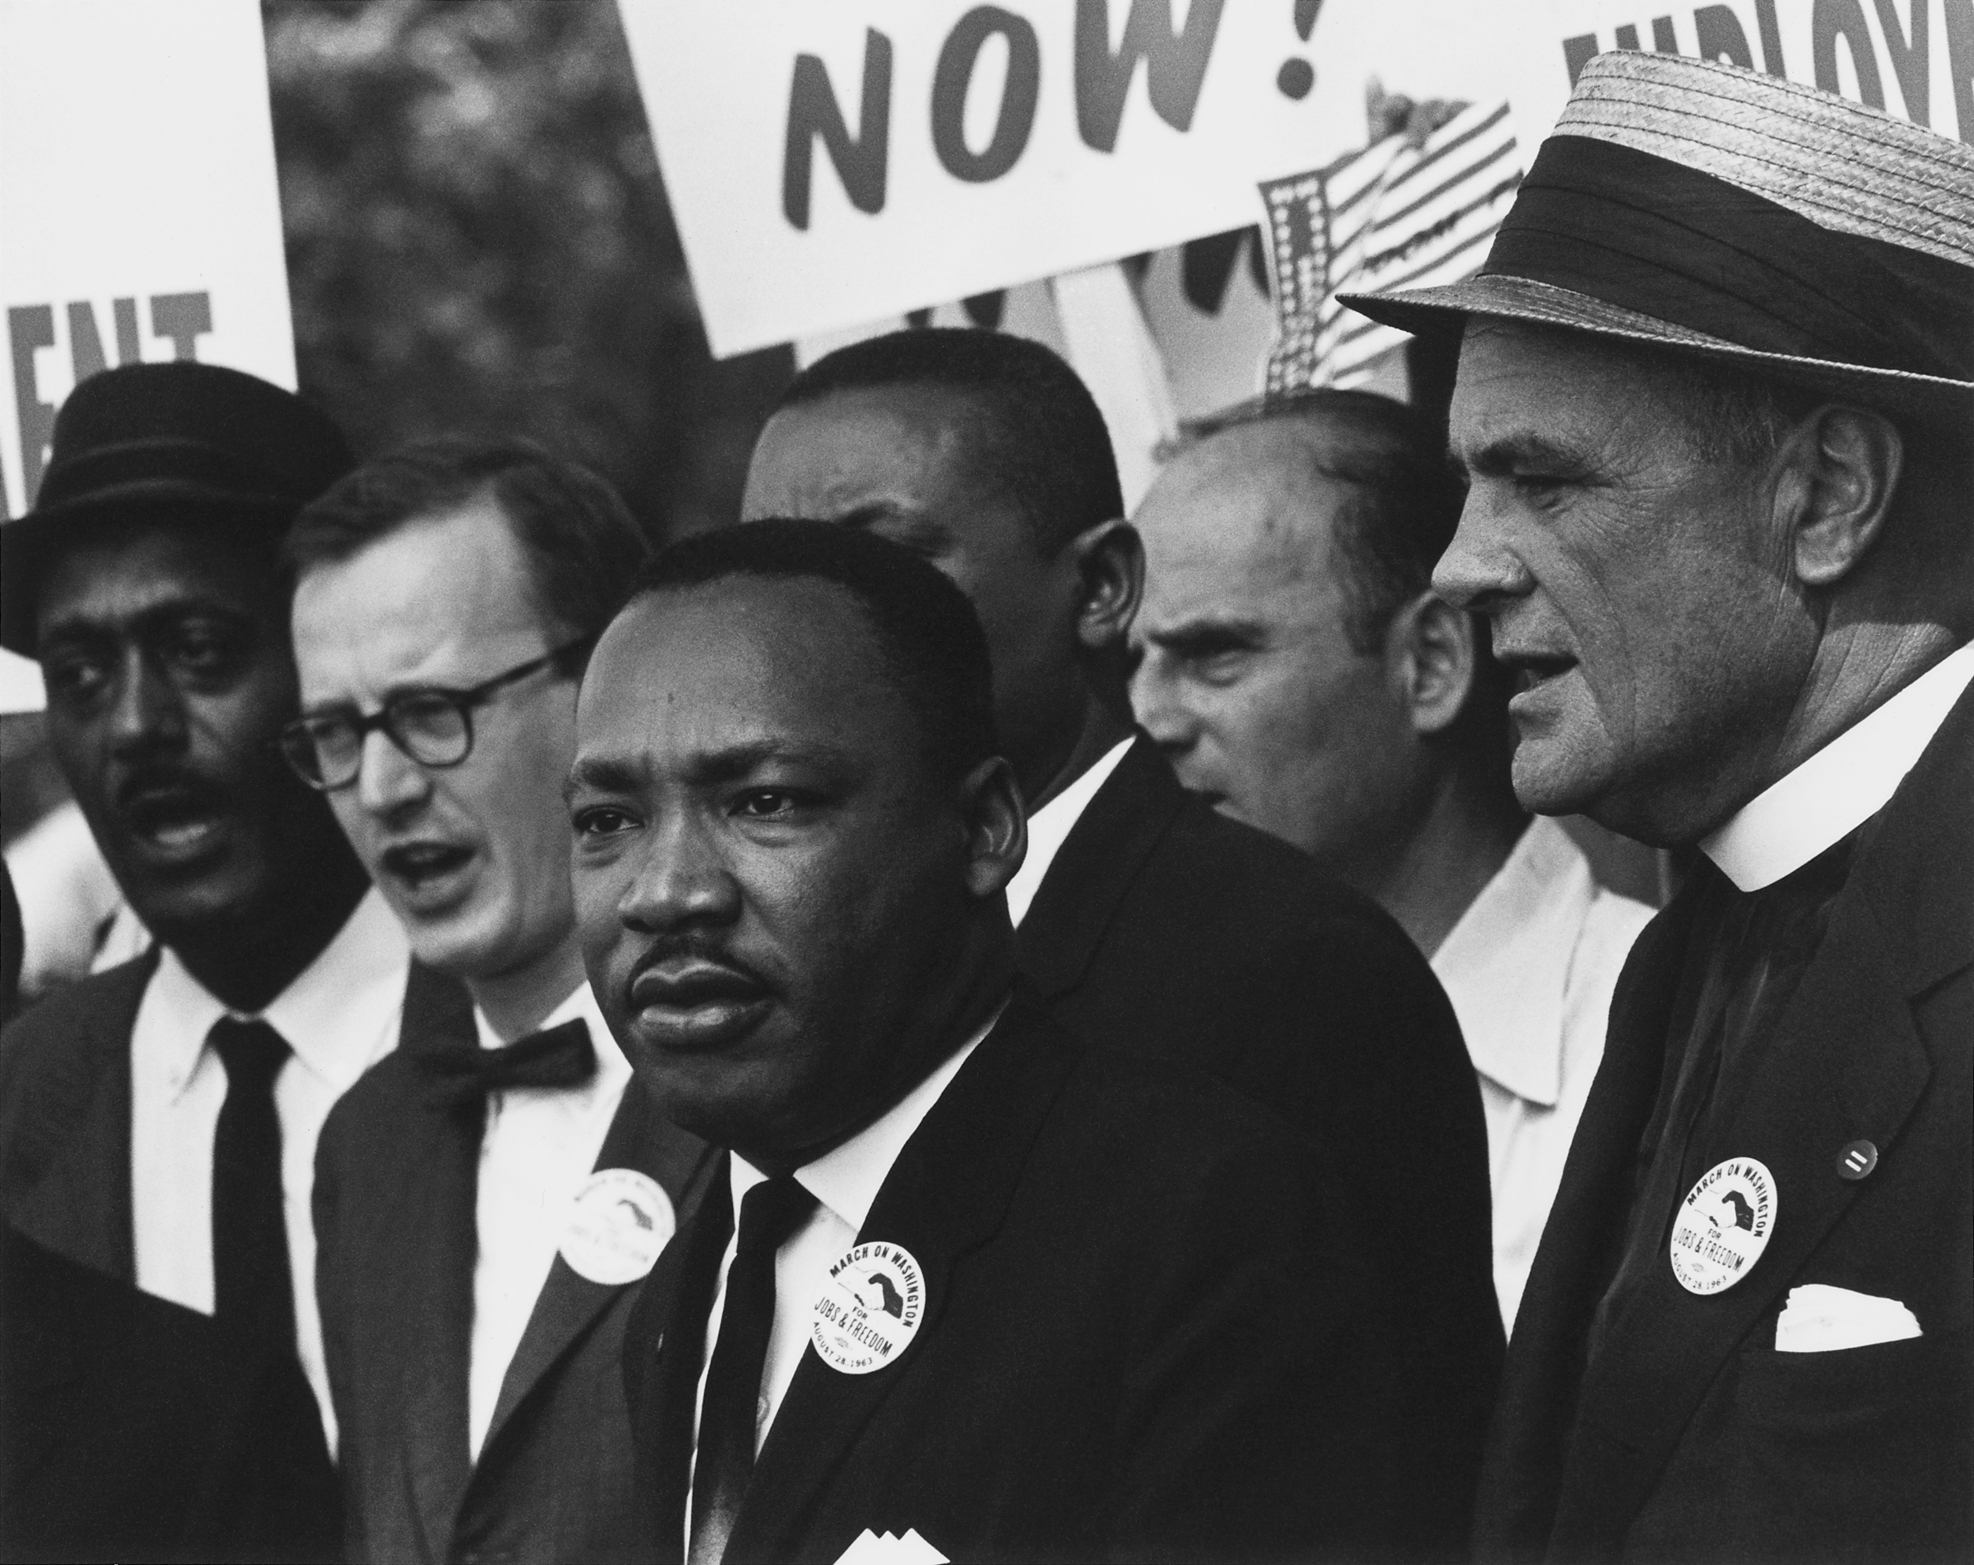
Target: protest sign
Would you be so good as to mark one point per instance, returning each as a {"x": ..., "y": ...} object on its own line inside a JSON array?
[
  {"x": 833, "y": 161},
  {"x": 1912, "y": 58},
  {"x": 139, "y": 214}
]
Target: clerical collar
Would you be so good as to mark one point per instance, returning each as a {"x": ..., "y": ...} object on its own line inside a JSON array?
[{"x": 1840, "y": 787}]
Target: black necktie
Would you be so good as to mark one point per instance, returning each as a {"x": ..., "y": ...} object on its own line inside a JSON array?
[
  {"x": 253, "y": 1290},
  {"x": 463, "y": 1076},
  {"x": 729, "y": 1416}
]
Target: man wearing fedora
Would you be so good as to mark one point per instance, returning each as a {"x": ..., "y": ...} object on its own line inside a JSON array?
[
  {"x": 161, "y": 1354},
  {"x": 1714, "y": 394}
]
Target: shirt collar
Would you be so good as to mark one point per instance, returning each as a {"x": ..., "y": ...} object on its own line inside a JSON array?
[
  {"x": 1840, "y": 787},
  {"x": 848, "y": 1179},
  {"x": 1051, "y": 825},
  {"x": 1506, "y": 965},
  {"x": 331, "y": 1015}
]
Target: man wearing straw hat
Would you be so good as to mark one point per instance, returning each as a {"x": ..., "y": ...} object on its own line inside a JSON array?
[{"x": 1715, "y": 388}]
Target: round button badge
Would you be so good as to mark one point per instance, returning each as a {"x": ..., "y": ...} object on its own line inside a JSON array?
[
  {"x": 1723, "y": 1226},
  {"x": 870, "y": 1310},
  {"x": 618, "y": 1223}
]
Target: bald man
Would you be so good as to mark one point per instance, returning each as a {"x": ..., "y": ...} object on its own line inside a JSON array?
[{"x": 1301, "y": 674}]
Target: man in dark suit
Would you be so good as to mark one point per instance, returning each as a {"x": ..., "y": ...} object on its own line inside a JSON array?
[
  {"x": 488, "y": 1199},
  {"x": 158, "y": 1339},
  {"x": 1713, "y": 397},
  {"x": 1149, "y": 923},
  {"x": 992, "y": 1294}
]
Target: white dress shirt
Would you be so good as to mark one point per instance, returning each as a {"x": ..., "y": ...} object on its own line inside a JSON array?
[
  {"x": 1051, "y": 825},
  {"x": 1840, "y": 787},
  {"x": 339, "y": 1017},
  {"x": 1530, "y": 968},
  {"x": 540, "y": 1147},
  {"x": 845, "y": 1183}
]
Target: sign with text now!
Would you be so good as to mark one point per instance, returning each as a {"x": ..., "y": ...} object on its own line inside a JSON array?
[{"x": 833, "y": 161}]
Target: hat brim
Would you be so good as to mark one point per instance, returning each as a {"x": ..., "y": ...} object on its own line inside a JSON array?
[
  {"x": 25, "y": 542},
  {"x": 1444, "y": 311}
]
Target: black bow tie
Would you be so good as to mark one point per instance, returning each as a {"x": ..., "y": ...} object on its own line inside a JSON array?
[{"x": 558, "y": 1057}]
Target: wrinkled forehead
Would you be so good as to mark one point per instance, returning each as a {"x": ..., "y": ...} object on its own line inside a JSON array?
[
  {"x": 116, "y": 571},
  {"x": 1536, "y": 386},
  {"x": 690, "y": 672},
  {"x": 916, "y": 446}
]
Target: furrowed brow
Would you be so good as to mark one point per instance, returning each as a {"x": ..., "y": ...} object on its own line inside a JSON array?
[
  {"x": 601, "y": 774},
  {"x": 1516, "y": 452},
  {"x": 739, "y": 760},
  {"x": 1199, "y": 634}
]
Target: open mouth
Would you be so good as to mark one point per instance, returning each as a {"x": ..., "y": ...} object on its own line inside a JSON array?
[
  {"x": 426, "y": 877},
  {"x": 175, "y": 821},
  {"x": 418, "y": 862},
  {"x": 690, "y": 1002}
]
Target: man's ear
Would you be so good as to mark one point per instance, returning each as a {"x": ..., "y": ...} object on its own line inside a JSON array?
[
  {"x": 1430, "y": 656},
  {"x": 996, "y": 827},
  {"x": 1837, "y": 473},
  {"x": 1110, "y": 577}
]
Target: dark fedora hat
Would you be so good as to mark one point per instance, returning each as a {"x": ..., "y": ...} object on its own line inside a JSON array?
[
  {"x": 1720, "y": 212},
  {"x": 184, "y": 439}
]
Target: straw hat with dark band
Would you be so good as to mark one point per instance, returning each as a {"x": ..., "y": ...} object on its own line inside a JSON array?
[
  {"x": 1716, "y": 210},
  {"x": 195, "y": 440}
]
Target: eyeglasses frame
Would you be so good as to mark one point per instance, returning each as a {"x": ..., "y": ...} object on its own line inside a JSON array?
[{"x": 467, "y": 701}]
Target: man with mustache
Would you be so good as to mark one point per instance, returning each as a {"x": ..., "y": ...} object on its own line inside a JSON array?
[
  {"x": 159, "y": 1120},
  {"x": 990, "y": 1291},
  {"x": 1715, "y": 384},
  {"x": 489, "y": 1198},
  {"x": 1149, "y": 923}
]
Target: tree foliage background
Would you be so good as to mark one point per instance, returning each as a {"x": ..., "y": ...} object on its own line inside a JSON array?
[{"x": 478, "y": 241}]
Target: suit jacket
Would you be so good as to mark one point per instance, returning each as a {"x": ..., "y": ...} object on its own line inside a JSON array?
[
  {"x": 1126, "y": 1345},
  {"x": 395, "y": 1225},
  {"x": 1167, "y": 931},
  {"x": 134, "y": 1428},
  {"x": 1690, "y": 1435}
]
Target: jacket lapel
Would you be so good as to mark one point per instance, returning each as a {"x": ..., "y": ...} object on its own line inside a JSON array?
[
  {"x": 946, "y": 1195},
  {"x": 1522, "y": 1464},
  {"x": 80, "y": 1206},
  {"x": 1846, "y": 1062},
  {"x": 1095, "y": 867},
  {"x": 641, "y": 1138},
  {"x": 661, "y": 1380},
  {"x": 432, "y": 1236}
]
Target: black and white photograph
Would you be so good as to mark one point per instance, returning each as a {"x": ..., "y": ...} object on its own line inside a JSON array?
[{"x": 899, "y": 782}]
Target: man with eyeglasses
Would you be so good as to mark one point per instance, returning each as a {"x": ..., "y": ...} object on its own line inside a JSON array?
[
  {"x": 490, "y": 1198},
  {"x": 161, "y": 1365}
]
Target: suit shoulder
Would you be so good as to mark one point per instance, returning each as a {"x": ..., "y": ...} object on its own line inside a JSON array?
[
  {"x": 87, "y": 1006},
  {"x": 1228, "y": 872},
  {"x": 72, "y": 1030},
  {"x": 365, "y": 1119},
  {"x": 53, "y": 1059},
  {"x": 1149, "y": 1113}
]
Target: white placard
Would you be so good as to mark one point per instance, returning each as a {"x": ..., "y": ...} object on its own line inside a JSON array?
[
  {"x": 831, "y": 162},
  {"x": 1903, "y": 56},
  {"x": 139, "y": 213}
]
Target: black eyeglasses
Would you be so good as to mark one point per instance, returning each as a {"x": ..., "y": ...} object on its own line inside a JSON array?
[{"x": 430, "y": 724}]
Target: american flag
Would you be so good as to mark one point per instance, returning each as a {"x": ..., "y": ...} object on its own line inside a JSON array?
[{"x": 1394, "y": 215}]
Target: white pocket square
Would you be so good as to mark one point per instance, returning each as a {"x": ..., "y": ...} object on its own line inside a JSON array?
[
  {"x": 885, "y": 1548},
  {"x": 1821, "y": 1319}
]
